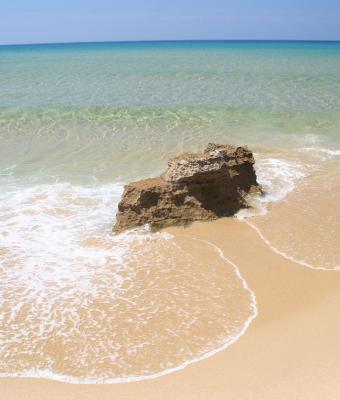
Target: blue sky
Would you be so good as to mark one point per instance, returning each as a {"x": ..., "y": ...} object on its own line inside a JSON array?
[{"x": 44, "y": 21}]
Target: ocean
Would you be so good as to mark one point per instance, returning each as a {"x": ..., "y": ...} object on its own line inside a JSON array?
[{"x": 77, "y": 122}]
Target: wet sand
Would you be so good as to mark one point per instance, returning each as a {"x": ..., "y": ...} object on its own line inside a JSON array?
[{"x": 290, "y": 351}]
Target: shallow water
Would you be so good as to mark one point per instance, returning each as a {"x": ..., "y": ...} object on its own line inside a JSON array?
[{"x": 79, "y": 121}]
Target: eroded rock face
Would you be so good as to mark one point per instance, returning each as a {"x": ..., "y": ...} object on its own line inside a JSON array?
[{"x": 202, "y": 186}]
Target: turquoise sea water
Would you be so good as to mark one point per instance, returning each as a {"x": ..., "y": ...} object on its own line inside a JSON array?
[
  {"x": 118, "y": 103},
  {"x": 77, "y": 121}
]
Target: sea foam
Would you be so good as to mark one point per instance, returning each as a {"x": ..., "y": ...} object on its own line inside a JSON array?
[{"x": 277, "y": 177}]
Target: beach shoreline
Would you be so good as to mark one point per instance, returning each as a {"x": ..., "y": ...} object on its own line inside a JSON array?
[{"x": 289, "y": 351}]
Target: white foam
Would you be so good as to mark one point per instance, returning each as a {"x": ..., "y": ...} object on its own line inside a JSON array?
[
  {"x": 278, "y": 178},
  {"x": 323, "y": 154},
  {"x": 50, "y": 220},
  {"x": 332, "y": 153}
]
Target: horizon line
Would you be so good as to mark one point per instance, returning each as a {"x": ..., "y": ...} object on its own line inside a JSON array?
[{"x": 171, "y": 40}]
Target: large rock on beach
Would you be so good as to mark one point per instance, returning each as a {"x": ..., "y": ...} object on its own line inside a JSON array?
[{"x": 202, "y": 186}]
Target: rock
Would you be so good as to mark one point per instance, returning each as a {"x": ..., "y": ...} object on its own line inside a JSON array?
[{"x": 202, "y": 186}]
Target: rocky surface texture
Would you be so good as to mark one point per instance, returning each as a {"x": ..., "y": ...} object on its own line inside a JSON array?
[{"x": 202, "y": 186}]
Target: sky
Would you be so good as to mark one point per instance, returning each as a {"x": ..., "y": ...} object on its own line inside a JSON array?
[{"x": 55, "y": 21}]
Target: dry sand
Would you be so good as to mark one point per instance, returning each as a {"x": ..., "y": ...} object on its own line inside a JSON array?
[{"x": 290, "y": 351}]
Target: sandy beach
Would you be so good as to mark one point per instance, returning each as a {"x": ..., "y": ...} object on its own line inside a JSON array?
[{"x": 290, "y": 351}]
